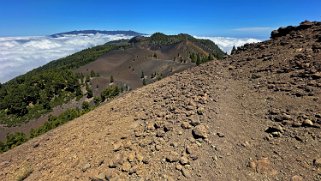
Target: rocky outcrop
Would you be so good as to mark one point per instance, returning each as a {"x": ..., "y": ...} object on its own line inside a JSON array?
[{"x": 283, "y": 31}]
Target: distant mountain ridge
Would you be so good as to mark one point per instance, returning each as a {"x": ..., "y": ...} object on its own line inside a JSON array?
[{"x": 117, "y": 32}]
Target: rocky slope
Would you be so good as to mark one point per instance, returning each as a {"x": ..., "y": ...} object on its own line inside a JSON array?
[{"x": 254, "y": 116}]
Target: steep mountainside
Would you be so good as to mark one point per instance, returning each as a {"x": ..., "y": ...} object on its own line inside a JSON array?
[{"x": 253, "y": 116}]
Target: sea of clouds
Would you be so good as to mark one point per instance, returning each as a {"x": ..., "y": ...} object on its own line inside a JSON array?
[
  {"x": 227, "y": 43},
  {"x": 19, "y": 55}
]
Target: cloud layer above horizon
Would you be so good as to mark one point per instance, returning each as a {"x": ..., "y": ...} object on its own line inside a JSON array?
[{"x": 19, "y": 55}]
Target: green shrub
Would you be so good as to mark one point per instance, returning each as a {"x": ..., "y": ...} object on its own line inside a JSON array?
[
  {"x": 97, "y": 100},
  {"x": 110, "y": 92},
  {"x": 85, "y": 105},
  {"x": 13, "y": 140}
]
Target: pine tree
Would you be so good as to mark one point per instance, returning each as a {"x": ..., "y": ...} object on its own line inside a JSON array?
[
  {"x": 233, "y": 50},
  {"x": 111, "y": 79},
  {"x": 89, "y": 93},
  {"x": 198, "y": 61}
]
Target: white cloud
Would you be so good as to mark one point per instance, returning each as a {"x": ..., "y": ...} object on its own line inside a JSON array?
[
  {"x": 227, "y": 43},
  {"x": 21, "y": 54},
  {"x": 254, "y": 29}
]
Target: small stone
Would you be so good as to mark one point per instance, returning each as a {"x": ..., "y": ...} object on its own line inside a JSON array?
[
  {"x": 100, "y": 162},
  {"x": 189, "y": 108},
  {"x": 138, "y": 133},
  {"x": 200, "y": 111},
  {"x": 263, "y": 166},
  {"x": 199, "y": 142},
  {"x": 287, "y": 122},
  {"x": 158, "y": 147},
  {"x": 186, "y": 125},
  {"x": 277, "y": 128},
  {"x": 188, "y": 149},
  {"x": 111, "y": 175},
  {"x": 101, "y": 176},
  {"x": 296, "y": 124},
  {"x": 221, "y": 135},
  {"x": 150, "y": 126},
  {"x": 160, "y": 133},
  {"x": 307, "y": 123},
  {"x": 183, "y": 160},
  {"x": 276, "y": 134},
  {"x": 158, "y": 124},
  {"x": 167, "y": 177},
  {"x": 139, "y": 157},
  {"x": 317, "y": 162},
  {"x": 286, "y": 116},
  {"x": 193, "y": 156},
  {"x": 85, "y": 167},
  {"x": 245, "y": 144},
  {"x": 173, "y": 144},
  {"x": 186, "y": 173},
  {"x": 200, "y": 131},
  {"x": 275, "y": 131},
  {"x": 215, "y": 158},
  {"x": 131, "y": 156},
  {"x": 192, "y": 103},
  {"x": 252, "y": 165},
  {"x": 117, "y": 146},
  {"x": 297, "y": 178},
  {"x": 112, "y": 164},
  {"x": 133, "y": 170},
  {"x": 172, "y": 157},
  {"x": 179, "y": 167},
  {"x": 194, "y": 120},
  {"x": 160, "y": 114},
  {"x": 118, "y": 160},
  {"x": 126, "y": 167},
  {"x": 36, "y": 145},
  {"x": 168, "y": 127},
  {"x": 145, "y": 160}
]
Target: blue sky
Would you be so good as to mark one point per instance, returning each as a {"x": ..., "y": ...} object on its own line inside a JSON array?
[{"x": 246, "y": 18}]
